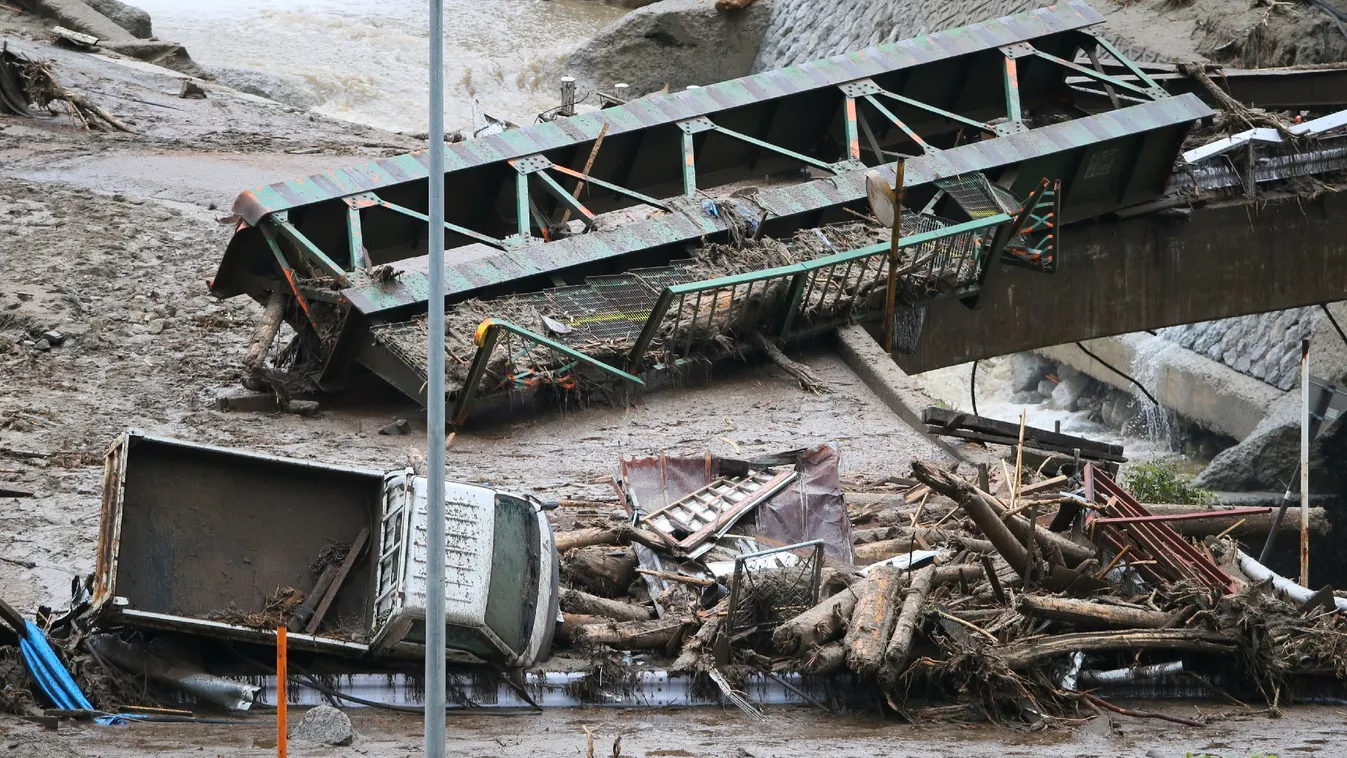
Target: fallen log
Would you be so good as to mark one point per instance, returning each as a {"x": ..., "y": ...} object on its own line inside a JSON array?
[
  {"x": 698, "y": 653},
  {"x": 874, "y": 552},
  {"x": 900, "y": 644},
  {"x": 1018, "y": 655},
  {"x": 575, "y": 601},
  {"x": 600, "y": 570},
  {"x": 568, "y": 541},
  {"x": 872, "y": 621},
  {"x": 572, "y": 622},
  {"x": 979, "y": 510},
  {"x": 1256, "y": 524},
  {"x": 631, "y": 635},
  {"x": 265, "y": 334},
  {"x": 819, "y": 624},
  {"x": 1091, "y": 613},
  {"x": 616, "y": 535},
  {"x": 1019, "y": 526},
  {"x": 825, "y": 659}
]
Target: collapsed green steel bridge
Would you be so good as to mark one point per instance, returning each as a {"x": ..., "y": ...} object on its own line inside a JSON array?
[{"x": 1001, "y": 149}]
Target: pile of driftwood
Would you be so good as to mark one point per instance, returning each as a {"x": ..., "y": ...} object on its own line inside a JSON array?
[{"x": 1014, "y": 600}]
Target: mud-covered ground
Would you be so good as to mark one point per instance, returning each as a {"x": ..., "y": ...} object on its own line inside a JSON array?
[
  {"x": 713, "y": 733},
  {"x": 110, "y": 239}
]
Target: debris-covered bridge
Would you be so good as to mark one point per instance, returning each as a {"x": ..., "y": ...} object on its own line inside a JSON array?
[{"x": 693, "y": 224}]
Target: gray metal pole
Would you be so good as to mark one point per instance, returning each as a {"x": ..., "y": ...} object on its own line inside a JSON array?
[{"x": 435, "y": 685}]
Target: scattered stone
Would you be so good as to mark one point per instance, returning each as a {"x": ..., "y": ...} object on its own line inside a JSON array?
[
  {"x": 42, "y": 346},
  {"x": 398, "y": 427},
  {"x": 1027, "y": 371},
  {"x": 303, "y": 407},
  {"x": 157, "y": 326},
  {"x": 131, "y": 19},
  {"x": 53, "y": 337},
  {"x": 191, "y": 91},
  {"x": 240, "y": 399},
  {"x": 325, "y": 725}
]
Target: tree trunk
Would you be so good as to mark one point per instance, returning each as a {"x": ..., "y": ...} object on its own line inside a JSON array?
[
  {"x": 872, "y": 621},
  {"x": 825, "y": 659},
  {"x": 1019, "y": 526},
  {"x": 601, "y": 570},
  {"x": 819, "y": 624},
  {"x": 265, "y": 334},
  {"x": 900, "y": 644},
  {"x": 979, "y": 510},
  {"x": 572, "y": 622},
  {"x": 568, "y": 541},
  {"x": 575, "y": 601},
  {"x": 1023, "y": 654},
  {"x": 631, "y": 635},
  {"x": 698, "y": 652},
  {"x": 1092, "y": 614},
  {"x": 1256, "y": 525}
]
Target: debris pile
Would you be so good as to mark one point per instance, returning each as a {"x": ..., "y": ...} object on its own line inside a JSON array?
[
  {"x": 1005, "y": 600},
  {"x": 25, "y": 83}
]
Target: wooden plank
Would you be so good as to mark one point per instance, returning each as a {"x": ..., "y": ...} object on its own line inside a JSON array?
[
  {"x": 947, "y": 419},
  {"x": 352, "y": 556},
  {"x": 995, "y": 439}
]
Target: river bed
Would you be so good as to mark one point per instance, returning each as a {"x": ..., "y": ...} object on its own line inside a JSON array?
[{"x": 367, "y": 60}]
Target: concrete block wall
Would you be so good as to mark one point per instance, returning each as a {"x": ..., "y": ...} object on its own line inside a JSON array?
[{"x": 1265, "y": 346}]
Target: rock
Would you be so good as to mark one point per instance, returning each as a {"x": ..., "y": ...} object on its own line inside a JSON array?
[
  {"x": 43, "y": 346},
  {"x": 325, "y": 725},
  {"x": 399, "y": 426},
  {"x": 157, "y": 326},
  {"x": 131, "y": 19},
  {"x": 1069, "y": 390},
  {"x": 240, "y": 399},
  {"x": 170, "y": 55},
  {"x": 81, "y": 17},
  {"x": 283, "y": 88},
  {"x": 53, "y": 337},
  {"x": 303, "y": 407},
  {"x": 1045, "y": 386},
  {"x": 674, "y": 43},
  {"x": 1026, "y": 370}
]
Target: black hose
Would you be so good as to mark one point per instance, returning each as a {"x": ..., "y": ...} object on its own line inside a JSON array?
[
  {"x": 1108, "y": 366},
  {"x": 1333, "y": 321},
  {"x": 973, "y": 387}
]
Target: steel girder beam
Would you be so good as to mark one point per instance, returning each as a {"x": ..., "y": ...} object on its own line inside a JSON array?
[
  {"x": 693, "y": 139},
  {"x": 1272, "y": 88}
]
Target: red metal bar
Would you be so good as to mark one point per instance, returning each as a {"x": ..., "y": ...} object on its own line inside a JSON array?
[{"x": 1182, "y": 516}]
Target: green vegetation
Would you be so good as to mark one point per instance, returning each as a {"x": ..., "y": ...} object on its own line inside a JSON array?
[{"x": 1159, "y": 481}]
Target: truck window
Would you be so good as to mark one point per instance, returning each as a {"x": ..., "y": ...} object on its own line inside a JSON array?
[{"x": 513, "y": 596}]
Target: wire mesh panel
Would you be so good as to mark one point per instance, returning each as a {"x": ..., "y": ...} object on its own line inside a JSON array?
[{"x": 774, "y": 586}]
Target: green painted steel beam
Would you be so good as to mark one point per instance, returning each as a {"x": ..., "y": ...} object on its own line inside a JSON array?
[
  {"x": 611, "y": 187},
  {"x": 490, "y": 335},
  {"x": 1136, "y": 70},
  {"x": 521, "y": 208},
  {"x": 1013, "y": 91},
  {"x": 565, "y": 198},
  {"x": 937, "y": 111},
  {"x": 891, "y": 116},
  {"x": 1096, "y": 75},
  {"x": 689, "y": 165},
  {"x": 355, "y": 237},
  {"x": 455, "y": 228},
  {"x": 1046, "y": 146},
  {"x": 311, "y": 251},
  {"x": 777, "y": 149},
  {"x": 928, "y": 52}
]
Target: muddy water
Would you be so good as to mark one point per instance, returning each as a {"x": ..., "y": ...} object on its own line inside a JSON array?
[{"x": 367, "y": 61}]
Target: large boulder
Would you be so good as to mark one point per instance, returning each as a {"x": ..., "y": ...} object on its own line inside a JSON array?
[
  {"x": 133, "y": 20},
  {"x": 283, "y": 88},
  {"x": 79, "y": 16},
  {"x": 326, "y": 726},
  {"x": 1027, "y": 370},
  {"x": 675, "y": 43},
  {"x": 1266, "y": 460}
]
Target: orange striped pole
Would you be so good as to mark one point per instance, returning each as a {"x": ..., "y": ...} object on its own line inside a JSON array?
[{"x": 281, "y": 671}]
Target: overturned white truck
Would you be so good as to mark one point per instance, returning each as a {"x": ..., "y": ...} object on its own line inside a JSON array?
[{"x": 207, "y": 541}]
